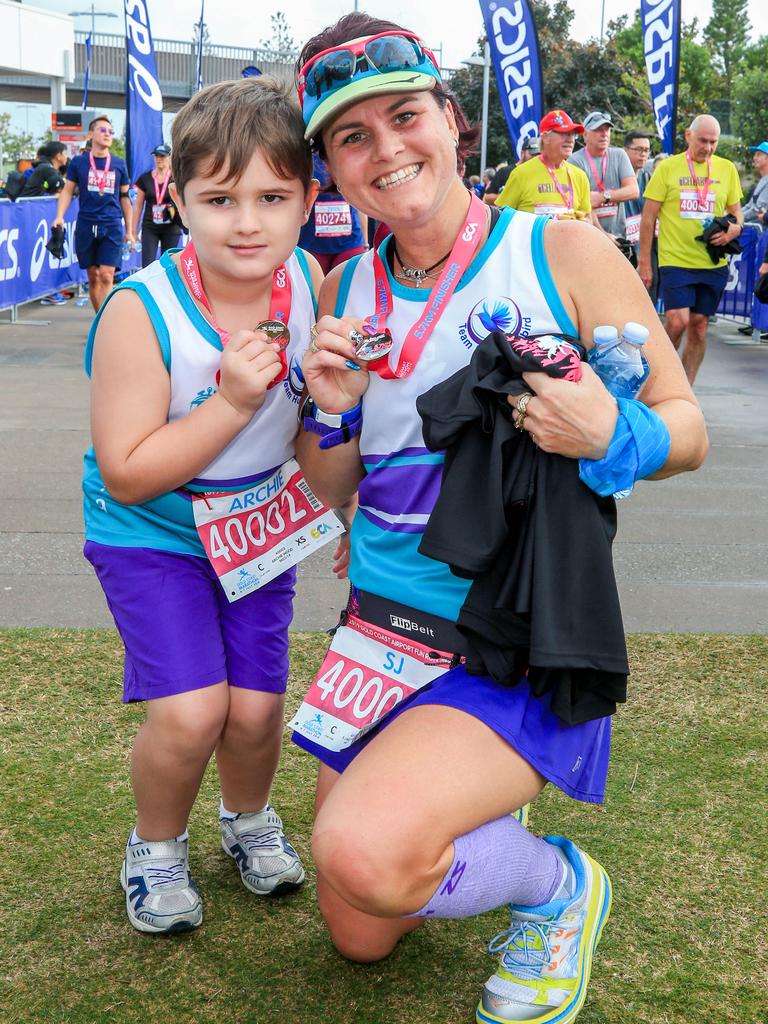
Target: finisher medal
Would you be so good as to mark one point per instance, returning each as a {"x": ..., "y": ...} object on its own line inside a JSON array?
[
  {"x": 373, "y": 346},
  {"x": 275, "y": 330}
]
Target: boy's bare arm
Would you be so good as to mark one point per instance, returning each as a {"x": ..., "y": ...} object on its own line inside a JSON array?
[{"x": 140, "y": 454}]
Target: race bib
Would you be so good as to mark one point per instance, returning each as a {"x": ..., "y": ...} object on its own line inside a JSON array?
[
  {"x": 102, "y": 183},
  {"x": 632, "y": 228},
  {"x": 332, "y": 219},
  {"x": 552, "y": 209},
  {"x": 606, "y": 211},
  {"x": 366, "y": 672},
  {"x": 252, "y": 536},
  {"x": 158, "y": 213},
  {"x": 692, "y": 209}
]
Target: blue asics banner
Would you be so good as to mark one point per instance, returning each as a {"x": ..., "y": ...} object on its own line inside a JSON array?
[
  {"x": 144, "y": 101},
  {"x": 660, "y": 20},
  {"x": 514, "y": 46},
  {"x": 742, "y": 275},
  {"x": 27, "y": 270}
]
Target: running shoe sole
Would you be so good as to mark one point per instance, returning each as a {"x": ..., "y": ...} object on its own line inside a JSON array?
[
  {"x": 564, "y": 1014},
  {"x": 280, "y": 890},
  {"x": 176, "y": 923}
]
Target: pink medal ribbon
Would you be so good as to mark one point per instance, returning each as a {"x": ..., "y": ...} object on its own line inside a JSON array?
[
  {"x": 279, "y": 306},
  {"x": 160, "y": 192},
  {"x": 566, "y": 194},
  {"x": 100, "y": 176},
  {"x": 701, "y": 194},
  {"x": 599, "y": 182},
  {"x": 461, "y": 256}
]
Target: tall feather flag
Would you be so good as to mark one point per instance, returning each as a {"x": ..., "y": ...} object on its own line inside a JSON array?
[
  {"x": 87, "y": 70},
  {"x": 144, "y": 101},
  {"x": 661, "y": 24},
  {"x": 514, "y": 46},
  {"x": 199, "y": 59}
]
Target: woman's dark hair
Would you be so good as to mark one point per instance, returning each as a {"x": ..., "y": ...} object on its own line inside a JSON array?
[{"x": 357, "y": 25}]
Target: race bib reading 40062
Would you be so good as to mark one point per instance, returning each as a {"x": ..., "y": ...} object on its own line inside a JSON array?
[
  {"x": 252, "y": 536},
  {"x": 366, "y": 673}
]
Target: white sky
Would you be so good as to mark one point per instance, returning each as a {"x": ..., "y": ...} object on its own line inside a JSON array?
[{"x": 238, "y": 23}]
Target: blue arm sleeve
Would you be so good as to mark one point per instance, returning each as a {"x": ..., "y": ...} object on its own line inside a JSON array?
[{"x": 638, "y": 448}]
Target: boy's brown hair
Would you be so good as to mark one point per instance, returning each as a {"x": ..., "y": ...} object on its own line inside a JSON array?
[{"x": 222, "y": 126}]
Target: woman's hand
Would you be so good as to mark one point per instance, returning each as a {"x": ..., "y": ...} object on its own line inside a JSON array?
[
  {"x": 572, "y": 419},
  {"x": 340, "y": 564},
  {"x": 249, "y": 364},
  {"x": 335, "y": 379}
]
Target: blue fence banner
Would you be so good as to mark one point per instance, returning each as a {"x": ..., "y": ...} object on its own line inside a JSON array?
[
  {"x": 661, "y": 25},
  {"x": 514, "y": 46},
  {"x": 760, "y": 309},
  {"x": 742, "y": 274},
  {"x": 144, "y": 101},
  {"x": 27, "y": 270}
]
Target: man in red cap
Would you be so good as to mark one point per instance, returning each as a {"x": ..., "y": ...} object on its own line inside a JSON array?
[{"x": 548, "y": 184}]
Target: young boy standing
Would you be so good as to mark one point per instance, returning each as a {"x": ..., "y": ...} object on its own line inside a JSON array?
[{"x": 183, "y": 358}]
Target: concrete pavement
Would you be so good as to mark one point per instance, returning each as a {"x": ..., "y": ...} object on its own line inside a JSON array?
[{"x": 691, "y": 554}]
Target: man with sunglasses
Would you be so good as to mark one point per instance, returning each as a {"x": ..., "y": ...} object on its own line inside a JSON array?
[{"x": 102, "y": 182}]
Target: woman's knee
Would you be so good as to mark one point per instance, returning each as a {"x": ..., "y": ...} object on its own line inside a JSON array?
[{"x": 379, "y": 877}]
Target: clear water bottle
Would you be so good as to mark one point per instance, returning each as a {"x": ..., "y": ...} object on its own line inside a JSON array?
[
  {"x": 137, "y": 248},
  {"x": 126, "y": 250},
  {"x": 619, "y": 362}
]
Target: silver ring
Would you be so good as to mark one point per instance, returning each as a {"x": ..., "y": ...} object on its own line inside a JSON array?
[{"x": 313, "y": 347}]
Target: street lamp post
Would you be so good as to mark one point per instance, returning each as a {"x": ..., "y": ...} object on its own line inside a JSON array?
[
  {"x": 93, "y": 14},
  {"x": 485, "y": 63}
]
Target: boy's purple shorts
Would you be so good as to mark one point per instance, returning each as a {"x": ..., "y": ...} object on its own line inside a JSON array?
[{"x": 180, "y": 632}]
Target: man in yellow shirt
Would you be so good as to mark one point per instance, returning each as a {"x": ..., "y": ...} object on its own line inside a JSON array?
[
  {"x": 548, "y": 184},
  {"x": 684, "y": 194}
]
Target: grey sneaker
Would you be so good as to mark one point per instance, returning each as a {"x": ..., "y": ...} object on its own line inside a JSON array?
[
  {"x": 268, "y": 864},
  {"x": 160, "y": 894}
]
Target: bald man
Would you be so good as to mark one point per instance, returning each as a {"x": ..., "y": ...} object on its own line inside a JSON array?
[{"x": 685, "y": 192}]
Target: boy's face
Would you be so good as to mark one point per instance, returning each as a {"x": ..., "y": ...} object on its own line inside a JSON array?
[{"x": 244, "y": 230}]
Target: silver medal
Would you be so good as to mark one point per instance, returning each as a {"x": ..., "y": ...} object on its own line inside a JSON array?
[
  {"x": 275, "y": 330},
  {"x": 371, "y": 347}
]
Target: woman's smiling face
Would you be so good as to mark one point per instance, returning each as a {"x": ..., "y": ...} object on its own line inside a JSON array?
[{"x": 393, "y": 156}]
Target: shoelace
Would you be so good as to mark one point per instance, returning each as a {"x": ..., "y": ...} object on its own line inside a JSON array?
[
  {"x": 519, "y": 946},
  {"x": 166, "y": 876},
  {"x": 264, "y": 839}
]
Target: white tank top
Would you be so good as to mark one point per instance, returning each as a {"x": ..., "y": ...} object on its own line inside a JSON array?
[{"x": 508, "y": 287}]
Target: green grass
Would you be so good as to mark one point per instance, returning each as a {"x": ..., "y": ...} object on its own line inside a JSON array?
[{"x": 682, "y": 833}]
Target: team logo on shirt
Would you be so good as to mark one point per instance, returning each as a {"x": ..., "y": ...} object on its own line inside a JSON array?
[
  {"x": 293, "y": 385},
  {"x": 499, "y": 314}
]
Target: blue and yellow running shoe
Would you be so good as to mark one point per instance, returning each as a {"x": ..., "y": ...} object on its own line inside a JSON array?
[
  {"x": 522, "y": 815},
  {"x": 546, "y": 953}
]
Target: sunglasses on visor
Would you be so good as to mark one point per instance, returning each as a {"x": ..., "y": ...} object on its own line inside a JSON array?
[{"x": 387, "y": 51}]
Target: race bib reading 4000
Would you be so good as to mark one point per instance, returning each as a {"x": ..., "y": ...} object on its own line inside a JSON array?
[
  {"x": 366, "y": 673},
  {"x": 252, "y": 536}
]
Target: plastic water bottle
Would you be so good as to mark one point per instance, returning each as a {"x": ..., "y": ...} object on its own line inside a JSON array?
[
  {"x": 619, "y": 362},
  {"x": 137, "y": 248},
  {"x": 126, "y": 249}
]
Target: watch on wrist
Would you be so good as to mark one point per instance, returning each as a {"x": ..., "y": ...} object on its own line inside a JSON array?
[
  {"x": 607, "y": 196},
  {"x": 333, "y": 427}
]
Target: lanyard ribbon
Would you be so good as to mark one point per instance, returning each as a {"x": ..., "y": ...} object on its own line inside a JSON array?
[
  {"x": 599, "y": 182},
  {"x": 461, "y": 256},
  {"x": 279, "y": 305},
  {"x": 100, "y": 176},
  {"x": 160, "y": 192},
  {"x": 566, "y": 193},
  {"x": 701, "y": 194}
]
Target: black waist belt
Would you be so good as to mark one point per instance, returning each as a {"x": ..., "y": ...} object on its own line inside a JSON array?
[{"x": 409, "y": 622}]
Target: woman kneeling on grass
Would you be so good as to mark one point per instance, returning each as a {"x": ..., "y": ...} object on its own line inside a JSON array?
[{"x": 416, "y": 818}]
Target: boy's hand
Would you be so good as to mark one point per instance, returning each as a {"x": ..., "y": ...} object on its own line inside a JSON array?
[
  {"x": 249, "y": 364},
  {"x": 329, "y": 365}
]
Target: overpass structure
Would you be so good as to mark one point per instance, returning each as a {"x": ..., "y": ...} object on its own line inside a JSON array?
[{"x": 176, "y": 68}]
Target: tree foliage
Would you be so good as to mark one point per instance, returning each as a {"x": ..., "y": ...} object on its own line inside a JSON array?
[
  {"x": 726, "y": 34},
  {"x": 15, "y": 145},
  {"x": 281, "y": 39}
]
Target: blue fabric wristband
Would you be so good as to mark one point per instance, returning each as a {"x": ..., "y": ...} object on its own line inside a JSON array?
[{"x": 639, "y": 447}]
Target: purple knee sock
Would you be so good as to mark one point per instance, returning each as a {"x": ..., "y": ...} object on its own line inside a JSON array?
[{"x": 498, "y": 863}]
